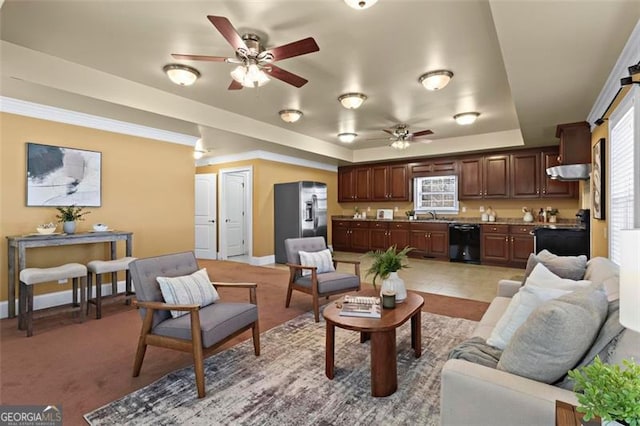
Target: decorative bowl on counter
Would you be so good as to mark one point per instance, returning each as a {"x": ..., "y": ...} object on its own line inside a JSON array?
[
  {"x": 46, "y": 228},
  {"x": 100, "y": 227}
]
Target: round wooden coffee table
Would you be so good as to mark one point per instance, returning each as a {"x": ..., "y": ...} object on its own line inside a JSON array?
[{"x": 382, "y": 332}]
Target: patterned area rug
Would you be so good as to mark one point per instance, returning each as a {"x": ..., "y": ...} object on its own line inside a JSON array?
[{"x": 286, "y": 385}]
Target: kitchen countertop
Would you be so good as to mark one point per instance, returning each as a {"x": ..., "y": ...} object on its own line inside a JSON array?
[{"x": 561, "y": 224}]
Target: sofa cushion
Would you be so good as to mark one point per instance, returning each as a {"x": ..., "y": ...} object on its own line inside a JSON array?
[
  {"x": 556, "y": 335},
  {"x": 332, "y": 281},
  {"x": 541, "y": 276},
  {"x": 491, "y": 317},
  {"x": 187, "y": 290},
  {"x": 603, "y": 271},
  {"x": 571, "y": 267},
  {"x": 320, "y": 259}
]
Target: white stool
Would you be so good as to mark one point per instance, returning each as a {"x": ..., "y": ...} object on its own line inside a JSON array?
[
  {"x": 99, "y": 267},
  {"x": 31, "y": 276}
]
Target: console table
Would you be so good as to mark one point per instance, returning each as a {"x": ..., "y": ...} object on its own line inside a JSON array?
[{"x": 18, "y": 244}]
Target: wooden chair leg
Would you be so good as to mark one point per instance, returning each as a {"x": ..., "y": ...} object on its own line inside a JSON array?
[
  {"x": 29, "y": 309},
  {"x": 74, "y": 288},
  {"x": 98, "y": 296},
  {"x": 289, "y": 291},
  {"x": 22, "y": 305},
  {"x": 198, "y": 361},
  {"x": 83, "y": 295},
  {"x": 256, "y": 338},
  {"x": 114, "y": 283},
  {"x": 142, "y": 342},
  {"x": 127, "y": 289},
  {"x": 89, "y": 290}
]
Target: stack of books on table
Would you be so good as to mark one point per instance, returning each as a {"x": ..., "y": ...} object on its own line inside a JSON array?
[{"x": 359, "y": 306}]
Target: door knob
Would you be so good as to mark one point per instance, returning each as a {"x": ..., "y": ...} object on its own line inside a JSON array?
[{"x": 212, "y": 221}]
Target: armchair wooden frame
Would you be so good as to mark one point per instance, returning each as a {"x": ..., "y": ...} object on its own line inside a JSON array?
[
  {"x": 195, "y": 344},
  {"x": 313, "y": 291}
]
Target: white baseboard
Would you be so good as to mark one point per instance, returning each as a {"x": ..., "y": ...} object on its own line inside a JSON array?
[
  {"x": 263, "y": 260},
  {"x": 58, "y": 298}
]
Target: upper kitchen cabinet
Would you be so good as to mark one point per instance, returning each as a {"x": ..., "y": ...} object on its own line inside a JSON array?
[
  {"x": 575, "y": 143},
  {"x": 433, "y": 167},
  {"x": 553, "y": 188},
  {"x": 390, "y": 183},
  {"x": 529, "y": 178},
  {"x": 354, "y": 184},
  {"x": 484, "y": 177}
]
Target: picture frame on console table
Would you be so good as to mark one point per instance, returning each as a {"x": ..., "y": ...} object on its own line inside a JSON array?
[
  {"x": 60, "y": 177},
  {"x": 597, "y": 180}
]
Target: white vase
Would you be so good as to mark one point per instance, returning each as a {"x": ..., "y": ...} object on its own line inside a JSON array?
[
  {"x": 611, "y": 423},
  {"x": 69, "y": 227},
  {"x": 394, "y": 284}
]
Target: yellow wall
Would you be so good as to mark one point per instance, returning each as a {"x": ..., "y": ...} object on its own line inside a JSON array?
[
  {"x": 147, "y": 188},
  {"x": 265, "y": 175}
]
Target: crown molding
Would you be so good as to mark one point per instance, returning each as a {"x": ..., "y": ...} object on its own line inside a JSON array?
[
  {"x": 265, "y": 155},
  {"x": 630, "y": 55},
  {"x": 46, "y": 112}
]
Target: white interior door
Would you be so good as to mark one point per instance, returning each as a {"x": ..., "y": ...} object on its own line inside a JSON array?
[
  {"x": 205, "y": 220},
  {"x": 234, "y": 199}
]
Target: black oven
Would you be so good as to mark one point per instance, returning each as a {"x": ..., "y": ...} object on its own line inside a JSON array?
[{"x": 573, "y": 241}]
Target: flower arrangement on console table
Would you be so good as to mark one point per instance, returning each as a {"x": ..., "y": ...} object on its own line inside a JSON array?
[
  {"x": 68, "y": 217},
  {"x": 386, "y": 265},
  {"x": 609, "y": 392}
]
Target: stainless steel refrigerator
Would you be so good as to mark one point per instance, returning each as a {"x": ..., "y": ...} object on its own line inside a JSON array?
[{"x": 300, "y": 210}]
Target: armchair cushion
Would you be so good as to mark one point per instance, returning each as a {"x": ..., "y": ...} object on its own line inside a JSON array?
[
  {"x": 217, "y": 321},
  {"x": 331, "y": 281},
  {"x": 320, "y": 259},
  {"x": 187, "y": 290}
]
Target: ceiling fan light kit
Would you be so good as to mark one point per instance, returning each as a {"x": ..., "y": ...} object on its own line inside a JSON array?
[
  {"x": 249, "y": 75},
  {"x": 360, "y": 4},
  {"x": 182, "y": 75},
  {"x": 347, "y": 137},
  {"x": 436, "y": 80},
  {"x": 290, "y": 115},
  {"x": 352, "y": 100},
  {"x": 400, "y": 144},
  {"x": 466, "y": 118}
]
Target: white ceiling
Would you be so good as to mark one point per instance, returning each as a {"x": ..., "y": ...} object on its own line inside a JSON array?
[{"x": 526, "y": 66}]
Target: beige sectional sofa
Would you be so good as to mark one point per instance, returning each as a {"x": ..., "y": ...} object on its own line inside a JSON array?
[{"x": 472, "y": 394}]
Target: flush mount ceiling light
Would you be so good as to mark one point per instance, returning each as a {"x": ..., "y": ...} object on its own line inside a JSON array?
[
  {"x": 181, "y": 75},
  {"x": 436, "y": 80},
  {"x": 198, "y": 150},
  {"x": 466, "y": 118},
  {"x": 400, "y": 144},
  {"x": 250, "y": 75},
  {"x": 360, "y": 4},
  {"x": 352, "y": 100},
  {"x": 347, "y": 137},
  {"x": 290, "y": 115}
]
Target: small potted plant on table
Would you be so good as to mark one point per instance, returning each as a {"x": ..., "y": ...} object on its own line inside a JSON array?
[
  {"x": 68, "y": 216},
  {"x": 386, "y": 265}
]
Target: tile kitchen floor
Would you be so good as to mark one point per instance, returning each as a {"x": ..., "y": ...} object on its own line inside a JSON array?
[{"x": 468, "y": 281}]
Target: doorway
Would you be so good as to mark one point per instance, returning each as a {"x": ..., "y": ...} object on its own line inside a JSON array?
[
  {"x": 205, "y": 216},
  {"x": 236, "y": 214}
]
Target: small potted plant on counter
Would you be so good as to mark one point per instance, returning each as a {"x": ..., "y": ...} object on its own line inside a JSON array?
[
  {"x": 68, "y": 216},
  {"x": 411, "y": 214},
  {"x": 551, "y": 215}
]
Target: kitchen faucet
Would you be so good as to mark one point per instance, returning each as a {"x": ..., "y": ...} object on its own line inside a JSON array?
[{"x": 433, "y": 214}]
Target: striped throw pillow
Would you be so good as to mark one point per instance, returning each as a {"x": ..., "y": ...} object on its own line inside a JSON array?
[
  {"x": 187, "y": 290},
  {"x": 320, "y": 259}
]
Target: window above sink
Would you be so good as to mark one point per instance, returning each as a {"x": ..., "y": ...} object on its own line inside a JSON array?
[{"x": 437, "y": 194}]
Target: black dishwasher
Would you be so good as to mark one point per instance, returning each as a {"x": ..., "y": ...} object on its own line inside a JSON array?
[{"x": 464, "y": 242}]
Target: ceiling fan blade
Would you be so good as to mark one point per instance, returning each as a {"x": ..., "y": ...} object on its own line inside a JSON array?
[
  {"x": 297, "y": 48},
  {"x": 286, "y": 76},
  {"x": 235, "y": 85},
  {"x": 422, "y": 133},
  {"x": 390, "y": 131},
  {"x": 227, "y": 30},
  {"x": 199, "y": 57}
]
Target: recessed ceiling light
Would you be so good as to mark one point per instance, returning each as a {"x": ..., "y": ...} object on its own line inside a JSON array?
[
  {"x": 360, "y": 4},
  {"x": 436, "y": 80},
  {"x": 181, "y": 75},
  {"x": 347, "y": 137},
  {"x": 352, "y": 100},
  {"x": 290, "y": 115},
  {"x": 466, "y": 118}
]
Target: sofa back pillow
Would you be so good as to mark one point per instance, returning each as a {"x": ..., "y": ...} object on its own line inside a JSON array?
[
  {"x": 555, "y": 336},
  {"x": 571, "y": 267},
  {"x": 541, "y": 276}
]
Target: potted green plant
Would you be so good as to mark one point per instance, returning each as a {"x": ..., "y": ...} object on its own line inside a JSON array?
[
  {"x": 411, "y": 214},
  {"x": 551, "y": 215},
  {"x": 608, "y": 391},
  {"x": 68, "y": 216},
  {"x": 386, "y": 265}
]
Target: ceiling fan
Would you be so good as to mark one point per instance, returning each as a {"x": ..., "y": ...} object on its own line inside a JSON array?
[
  {"x": 255, "y": 62},
  {"x": 401, "y": 136}
]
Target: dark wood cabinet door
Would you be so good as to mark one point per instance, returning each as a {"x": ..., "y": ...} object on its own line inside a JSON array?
[
  {"x": 398, "y": 183},
  {"x": 340, "y": 237},
  {"x": 438, "y": 243},
  {"x": 346, "y": 184},
  {"x": 470, "y": 185},
  {"x": 525, "y": 175},
  {"x": 379, "y": 239},
  {"x": 380, "y": 183},
  {"x": 360, "y": 239},
  {"x": 418, "y": 240},
  {"x": 496, "y": 176},
  {"x": 552, "y": 188},
  {"x": 521, "y": 248},
  {"x": 575, "y": 143},
  {"x": 399, "y": 238},
  {"x": 495, "y": 248},
  {"x": 362, "y": 187}
]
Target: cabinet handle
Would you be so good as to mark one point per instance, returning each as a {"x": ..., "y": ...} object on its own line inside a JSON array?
[
  {"x": 506, "y": 239},
  {"x": 495, "y": 229},
  {"x": 537, "y": 191},
  {"x": 512, "y": 239},
  {"x": 544, "y": 191}
]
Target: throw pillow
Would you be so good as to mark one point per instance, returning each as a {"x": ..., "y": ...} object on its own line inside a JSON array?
[
  {"x": 320, "y": 259},
  {"x": 555, "y": 336},
  {"x": 571, "y": 267},
  {"x": 187, "y": 290},
  {"x": 541, "y": 276}
]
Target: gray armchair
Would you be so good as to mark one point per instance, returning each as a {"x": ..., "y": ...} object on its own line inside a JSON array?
[
  {"x": 199, "y": 332},
  {"x": 317, "y": 285}
]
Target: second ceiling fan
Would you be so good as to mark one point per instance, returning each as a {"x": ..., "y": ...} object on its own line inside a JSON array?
[
  {"x": 255, "y": 62},
  {"x": 401, "y": 136}
]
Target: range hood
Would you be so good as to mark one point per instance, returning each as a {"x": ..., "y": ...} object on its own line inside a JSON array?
[{"x": 570, "y": 172}]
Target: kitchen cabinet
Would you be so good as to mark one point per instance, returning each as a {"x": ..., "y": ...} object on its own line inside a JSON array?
[
  {"x": 553, "y": 188},
  {"x": 429, "y": 240},
  {"x": 575, "y": 143},
  {"x": 484, "y": 177},
  {"x": 434, "y": 167},
  {"x": 390, "y": 183},
  {"x": 506, "y": 245},
  {"x": 529, "y": 178},
  {"x": 350, "y": 235},
  {"x": 354, "y": 184},
  {"x": 386, "y": 234}
]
